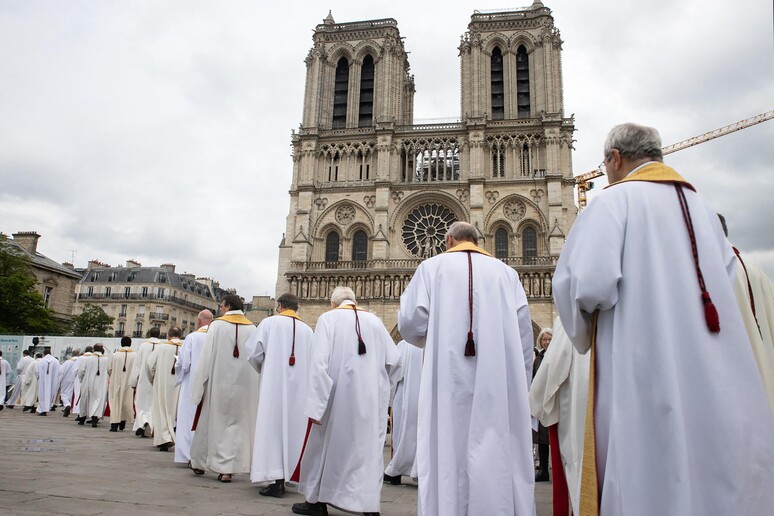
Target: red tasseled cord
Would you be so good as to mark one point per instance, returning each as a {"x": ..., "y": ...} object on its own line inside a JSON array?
[
  {"x": 470, "y": 346},
  {"x": 236, "y": 343},
  {"x": 710, "y": 313},
  {"x": 292, "y": 359},
  {"x": 126, "y": 355},
  {"x": 361, "y": 347}
]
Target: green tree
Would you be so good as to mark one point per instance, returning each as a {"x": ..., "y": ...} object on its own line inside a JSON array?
[
  {"x": 21, "y": 306},
  {"x": 92, "y": 322}
]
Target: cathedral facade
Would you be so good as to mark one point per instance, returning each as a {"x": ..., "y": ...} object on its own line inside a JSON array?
[{"x": 373, "y": 193}]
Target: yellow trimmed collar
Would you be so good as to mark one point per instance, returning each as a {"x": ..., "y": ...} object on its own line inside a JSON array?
[
  {"x": 178, "y": 343},
  {"x": 467, "y": 246},
  {"x": 203, "y": 329},
  {"x": 125, "y": 350},
  {"x": 350, "y": 307},
  {"x": 656, "y": 172},
  {"x": 290, "y": 313},
  {"x": 235, "y": 319}
]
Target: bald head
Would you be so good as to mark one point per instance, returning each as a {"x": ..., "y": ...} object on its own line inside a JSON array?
[{"x": 203, "y": 319}]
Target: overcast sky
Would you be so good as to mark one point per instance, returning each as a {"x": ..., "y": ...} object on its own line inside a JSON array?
[{"x": 160, "y": 130}]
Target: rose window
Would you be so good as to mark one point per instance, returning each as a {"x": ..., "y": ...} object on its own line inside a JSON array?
[
  {"x": 514, "y": 210},
  {"x": 345, "y": 215},
  {"x": 424, "y": 230}
]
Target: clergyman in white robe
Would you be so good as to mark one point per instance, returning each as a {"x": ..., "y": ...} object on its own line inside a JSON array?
[
  {"x": 47, "y": 372},
  {"x": 67, "y": 375},
  {"x": 14, "y": 397},
  {"x": 5, "y": 375},
  {"x": 227, "y": 387},
  {"x": 755, "y": 296},
  {"x": 558, "y": 397},
  {"x": 279, "y": 351},
  {"x": 348, "y": 394},
  {"x": 160, "y": 368},
  {"x": 189, "y": 356},
  {"x": 93, "y": 374},
  {"x": 120, "y": 395},
  {"x": 681, "y": 422},
  {"x": 30, "y": 384},
  {"x": 474, "y": 438},
  {"x": 143, "y": 390},
  {"x": 405, "y": 411}
]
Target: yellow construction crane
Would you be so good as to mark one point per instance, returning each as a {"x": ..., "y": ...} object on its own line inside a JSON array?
[{"x": 584, "y": 181}]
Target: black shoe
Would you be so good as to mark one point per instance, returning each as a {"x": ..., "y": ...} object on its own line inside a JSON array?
[
  {"x": 392, "y": 480},
  {"x": 277, "y": 489},
  {"x": 1, "y": 407},
  {"x": 312, "y": 509},
  {"x": 25, "y": 409},
  {"x": 81, "y": 420},
  {"x": 114, "y": 427},
  {"x": 66, "y": 412},
  {"x": 122, "y": 425},
  {"x": 53, "y": 409},
  {"x": 371, "y": 513},
  {"x": 42, "y": 413},
  {"x": 94, "y": 420},
  {"x": 33, "y": 410},
  {"x": 541, "y": 476},
  {"x": 139, "y": 432},
  {"x": 166, "y": 446}
]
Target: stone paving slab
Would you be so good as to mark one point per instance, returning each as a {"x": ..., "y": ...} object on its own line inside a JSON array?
[{"x": 51, "y": 465}]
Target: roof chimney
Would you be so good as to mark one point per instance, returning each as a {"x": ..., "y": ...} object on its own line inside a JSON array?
[
  {"x": 132, "y": 263},
  {"x": 28, "y": 240},
  {"x": 168, "y": 267}
]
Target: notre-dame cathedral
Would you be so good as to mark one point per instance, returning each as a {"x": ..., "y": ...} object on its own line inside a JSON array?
[{"x": 373, "y": 193}]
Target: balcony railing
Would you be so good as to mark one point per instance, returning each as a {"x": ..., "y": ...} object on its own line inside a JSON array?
[
  {"x": 152, "y": 297},
  {"x": 136, "y": 334},
  {"x": 155, "y": 316},
  {"x": 411, "y": 264},
  {"x": 119, "y": 333}
]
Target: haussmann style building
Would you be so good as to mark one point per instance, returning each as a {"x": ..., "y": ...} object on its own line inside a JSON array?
[{"x": 373, "y": 193}]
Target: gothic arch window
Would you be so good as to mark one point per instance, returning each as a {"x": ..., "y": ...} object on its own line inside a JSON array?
[
  {"x": 526, "y": 162},
  {"x": 332, "y": 247},
  {"x": 497, "y": 84},
  {"x": 340, "y": 90},
  {"x": 424, "y": 230},
  {"x": 359, "y": 246},
  {"x": 498, "y": 161},
  {"x": 522, "y": 82},
  {"x": 529, "y": 242},
  {"x": 366, "y": 112},
  {"x": 501, "y": 243},
  {"x": 333, "y": 167}
]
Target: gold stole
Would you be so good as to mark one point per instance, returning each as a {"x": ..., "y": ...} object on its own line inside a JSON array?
[{"x": 589, "y": 493}]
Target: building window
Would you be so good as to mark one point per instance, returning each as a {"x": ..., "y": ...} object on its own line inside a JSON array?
[
  {"x": 137, "y": 330},
  {"x": 501, "y": 243},
  {"x": 90, "y": 291},
  {"x": 113, "y": 276},
  {"x": 529, "y": 242},
  {"x": 366, "y": 113},
  {"x": 526, "y": 161},
  {"x": 498, "y": 161},
  {"x": 340, "y": 91},
  {"x": 160, "y": 292},
  {"x": 498, "y": 89},
  {"x": 122, "y": 312},
  {"x": 108, "y": 291},
  {"x": 95, "y": 276},
  {"x": 424, "y": 230},
  {"x": 131, "y": 277},
  {"x": 332, "y": 247},
  {"x": 359, "y": 246},
  {"x": 333, "y": 168},
  {"x": 121, "y": 329},
  {"x": 522, "y": 82},
  {"x": 162, "y": 277},
  {"x": 127, "y": 291},
  {"x": 47, "y": 291}
]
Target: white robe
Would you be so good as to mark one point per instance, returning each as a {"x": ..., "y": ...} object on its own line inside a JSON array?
[
  {"x": 682, "y": 422},
  {"x": 67, "y": 376},
  {"x": 47, "y": 372},
  {"x": 143, "y": 394},
  {"x": 189, "y": 356},
  {"x": 5, "y": 374},
  {"x": 93, "y": 386},
  {"x": 349, "y": 393},
  {"x": 474, "y": 437},
  {"x": 280, "y": 424},
  {"x": 228, "y": 388},
  {"x": 30, "y": 384},
  {"x": 16, "y": 392},
  {"x": 120, "y": 365},
  {"x": 405, "y": 408},
  {"x": 160, "y": 367},
  {"x": 759, "y": 331},
  {"x": 558, "y": 396}
]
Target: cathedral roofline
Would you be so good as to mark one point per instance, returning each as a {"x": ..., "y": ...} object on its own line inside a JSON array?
[{"x": 331, "y": 26}]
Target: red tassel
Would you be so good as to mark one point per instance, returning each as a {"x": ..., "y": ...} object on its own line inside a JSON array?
[
  {"x": 361, "y": 349},
  {"x": 470, "y": 347},
  {"x": 292, "y": 361},
  {"x": 711, "y": 314},
  {"x": 173, "y": 369},
  {"x": 236, "y": 351}
]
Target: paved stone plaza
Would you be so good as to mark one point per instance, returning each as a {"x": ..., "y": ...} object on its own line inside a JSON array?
[{"x": 50, "y": 465}]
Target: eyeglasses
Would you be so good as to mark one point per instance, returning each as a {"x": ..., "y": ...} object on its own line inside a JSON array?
[{"x": 602, "y": 167}]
